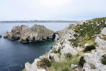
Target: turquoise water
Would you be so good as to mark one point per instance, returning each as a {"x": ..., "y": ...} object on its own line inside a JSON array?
[{"x": 13, "y": 55}]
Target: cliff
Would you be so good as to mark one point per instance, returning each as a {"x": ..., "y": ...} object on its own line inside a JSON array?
[{"x": 81, "y": 47}]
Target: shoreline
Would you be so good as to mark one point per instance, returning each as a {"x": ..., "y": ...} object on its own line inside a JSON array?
[{"x": 66, "y": 48}]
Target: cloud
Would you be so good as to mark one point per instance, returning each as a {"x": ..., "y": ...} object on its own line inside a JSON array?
[{"x": 51, "y": 9}]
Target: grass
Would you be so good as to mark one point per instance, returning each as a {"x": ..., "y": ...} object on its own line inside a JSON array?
[
  {"x": 64, "y": 65},
  {"x": 59, "y": 66}
]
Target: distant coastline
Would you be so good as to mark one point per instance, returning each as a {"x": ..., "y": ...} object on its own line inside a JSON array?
[{"x": 40, "y": 21}]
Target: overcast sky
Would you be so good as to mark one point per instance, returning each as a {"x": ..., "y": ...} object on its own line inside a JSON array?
[{"x": 51, "y": 9}]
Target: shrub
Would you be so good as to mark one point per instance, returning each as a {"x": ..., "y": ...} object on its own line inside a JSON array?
[
  {"x": 64, "y": 65},
  {"x": 57, "y": 51},
  {"x": 86, "y": 38},
  {"x": 74, "y": 42},
  {"x": 82, "y": 61},
  {"x": 44, "y": 63},
  {"x": 89, "y": 48},
  {"x": 104, "y": 61},
  {"x": 60, "y": 66},
  {"x": 68, "y": 56}
]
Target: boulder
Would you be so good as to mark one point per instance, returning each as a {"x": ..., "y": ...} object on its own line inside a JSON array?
[
  {"x": 103, "y": 32},
  {"x": 27, "y": 34}
]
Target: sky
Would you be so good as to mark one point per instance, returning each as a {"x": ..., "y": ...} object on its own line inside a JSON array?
[{"x": 52, "y": 9}]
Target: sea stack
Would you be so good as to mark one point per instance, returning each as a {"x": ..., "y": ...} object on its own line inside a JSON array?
[{"x": 27, "y": 34}]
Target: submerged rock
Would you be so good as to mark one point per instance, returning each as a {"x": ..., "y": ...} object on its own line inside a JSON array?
[{"x": 27, "y": 34}]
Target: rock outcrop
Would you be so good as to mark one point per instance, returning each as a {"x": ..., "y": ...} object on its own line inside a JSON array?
[
  {"x": 27, "y": 34},
  {"x": 79, "y": 48},
  {"x": 0, "y": 36}
]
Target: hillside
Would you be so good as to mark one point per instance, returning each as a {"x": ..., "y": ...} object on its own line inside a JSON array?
[{"x": 81, "y": 47}]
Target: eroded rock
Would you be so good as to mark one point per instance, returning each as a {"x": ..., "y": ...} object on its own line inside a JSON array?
[{"x": 27, "y": 34}]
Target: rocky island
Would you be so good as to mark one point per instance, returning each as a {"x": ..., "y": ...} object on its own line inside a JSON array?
[
  {"x": 27, "y": 34},
  {"x": 81, "y": 47}
]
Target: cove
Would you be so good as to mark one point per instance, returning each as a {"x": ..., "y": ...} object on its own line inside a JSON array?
[{"x": 13, "y": 54}]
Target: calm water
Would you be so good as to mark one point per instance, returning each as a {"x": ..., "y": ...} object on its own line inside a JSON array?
[{"x": 13, "y": 55}]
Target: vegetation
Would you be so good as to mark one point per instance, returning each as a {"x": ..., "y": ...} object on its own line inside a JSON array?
[
  {"x": 64, "y": 65},
  {"x": 104, "y": 61},
  {"x": 57, "y": 51},
  {"x": 84, "y": 33},
  {"x": 68, "y": 56},
  {"x": 44, "y": 63},
  {"x": 87, "y": 31},
  {"x": 82, "y": 61},
  {"x": 89, "y": 48}
]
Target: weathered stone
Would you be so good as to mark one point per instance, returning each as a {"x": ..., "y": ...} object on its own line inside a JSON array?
[
  {"x": 93, "y": 61},
  {"x": 33, "y": 66},
  {"x": 27, "y": 34},
  {"x": 101, "y": 43},
  {"x": 103, "y": 32}
]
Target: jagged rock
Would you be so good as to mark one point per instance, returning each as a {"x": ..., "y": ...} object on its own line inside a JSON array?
[
  {"x": 33, "y": 66},
  {"x": 27, "y": 34},
  {"x": 103, "y": 32},
  {"x": 93, "y": 61},
  {"x": 0, "y": 36},
  {"x": 101, "y": 43},
  {"x": 55, "y": 57}
]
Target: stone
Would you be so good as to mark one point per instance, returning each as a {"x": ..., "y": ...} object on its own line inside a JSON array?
[
  {"x": 33, "y": 66},
  {"x": 101, "y": 43},
  {"x": 0, "y": 36},
  {"x": 93, "y": 61},
  {"x": 103, "y": 32},
  {"x": 27, "y": 34}
]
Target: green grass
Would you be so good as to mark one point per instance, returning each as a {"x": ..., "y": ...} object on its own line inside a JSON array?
[
  {"x": 64, "y": 65},
  {"x": 59, "y": 66}
]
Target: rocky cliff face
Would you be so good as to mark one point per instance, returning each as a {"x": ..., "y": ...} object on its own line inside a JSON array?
[
  {"x": 81, "y": 47},
  {"x": 27, "y": 34}
]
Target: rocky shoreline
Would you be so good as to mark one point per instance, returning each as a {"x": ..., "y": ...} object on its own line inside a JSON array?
[
  {"x": 81, "y": 47},
  {"x": 27, "y": 34}
]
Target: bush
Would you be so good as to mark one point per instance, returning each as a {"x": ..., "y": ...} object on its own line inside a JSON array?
[
  {"x": 82, "y": 61},
  {"x": 57, "y": 51},
  {"x": 44, "y": 63},
  {"x": 68, "y": 56},
  {"x": 64, "y": 65},
  {"x": 103, "y": 61},
  {"x": 89, "y": 48}
]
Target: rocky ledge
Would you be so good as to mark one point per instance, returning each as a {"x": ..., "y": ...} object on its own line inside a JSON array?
[
  {"x": 81, "y": 47},
  {"x": 27, "y": 34}
]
